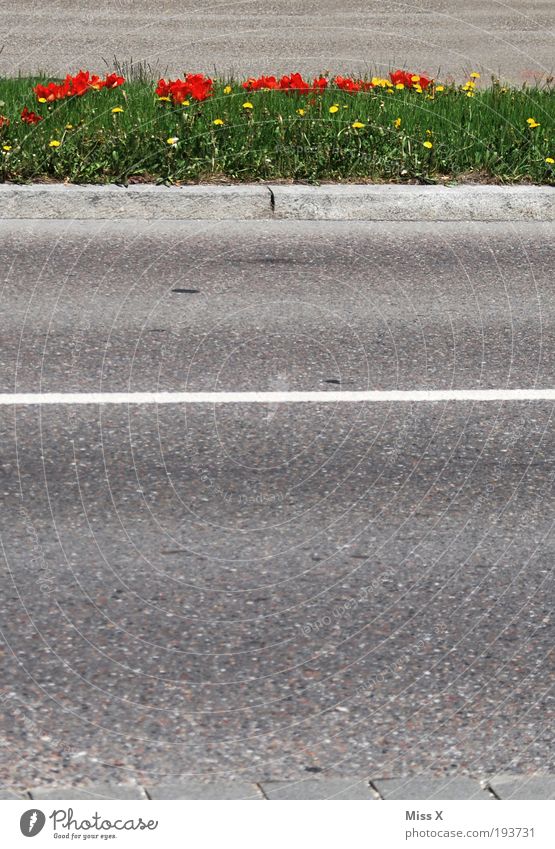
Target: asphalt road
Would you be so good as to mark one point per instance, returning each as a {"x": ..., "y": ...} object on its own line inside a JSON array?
[
  {"x": 435, "y": 36},
  {"x": 264, "y": 589}
]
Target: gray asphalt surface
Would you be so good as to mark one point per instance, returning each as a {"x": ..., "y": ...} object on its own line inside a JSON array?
[
  {"x": 513, "y": 40},
  {"x": 259, "y": 590}
]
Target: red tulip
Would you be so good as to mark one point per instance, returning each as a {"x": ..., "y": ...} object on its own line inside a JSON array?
[
  {"x": 195, "y": 86},
  {"x": 30, "y": 117},
  {"x": 406, "y": 78},
  {"x": 347, "y": 84}
]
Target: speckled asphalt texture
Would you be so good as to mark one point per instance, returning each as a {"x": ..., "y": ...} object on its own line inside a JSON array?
[
  {"x": 439, "y": 37},
  {"x": 248, "y": 593}
]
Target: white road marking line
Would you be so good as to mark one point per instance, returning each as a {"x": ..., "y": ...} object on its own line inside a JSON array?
[{"x": 322, "y": 397}]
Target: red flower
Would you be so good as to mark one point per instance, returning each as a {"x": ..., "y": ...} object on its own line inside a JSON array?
[
  {"x": 30, "y": 117},
  {"x": 113, "y": 81},
  {"x": 293, "y": 82},
  {"x": 200, "y": 87},
  {"x": 52, "y": 91},
  {"x": 80, "y": 83},
  {"x": 257, "y": 83},
  {"x": 76, "y": 86},
  {"x": 400, "y": 78},
  {"x": 163, "y": 88},
  {"x": 195, "y": 86},
  {"x": 406, "y": 78},
  {"x": 319, "y": 84},
  {"x": 347, "y": 84},
  {"x": 4, "y": 122}
]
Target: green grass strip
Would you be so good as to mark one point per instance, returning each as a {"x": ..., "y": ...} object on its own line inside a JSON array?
[{"x": 497, "y": 134}]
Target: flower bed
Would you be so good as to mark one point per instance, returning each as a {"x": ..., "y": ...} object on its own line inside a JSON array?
[{"x": 402, "y": 127}]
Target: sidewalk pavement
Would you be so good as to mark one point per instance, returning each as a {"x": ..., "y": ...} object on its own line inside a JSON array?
[{"x": 534, "y": 787}]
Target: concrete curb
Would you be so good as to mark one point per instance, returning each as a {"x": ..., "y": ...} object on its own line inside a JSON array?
[
  {"x": 416, "y": 203},
  {"x": 345, "y": 202},
  {"x": 142, "y": 202}
]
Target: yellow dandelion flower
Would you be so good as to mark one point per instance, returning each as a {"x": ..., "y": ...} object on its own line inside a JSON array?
[
  {"x": 397, "y": 123},
  {"x": 186, "y": 103},
  {"x": 248, "y": 105},
  {"x": 69, "y": 126},
  {"x": 532, "y": 123},
  {"x": 475, "y": 75},
  {"x": 399, "y": 86},
  {"x": 470, "y": 94},
  {"x": 440, "y": 88},
  {"x": 415, "y": 78},
  {"x": 218, "y": 122},
  {"x": 227, "y": 89},
  {"x": 42, "y": 99},
  {"x": 300, "y": 111},
  {"x": 116, "y": 109},
  {"x": 172, "y": 141},
  {"x": 334, "y": 108},
  {"x": 54, "y": 143},
  {"x": 8, "y": 147},
  {"x": 549, "y": 160},
  {"x": 165, "y": 99},
  {"x": 428, "y": 144},
  {"x": 357, "y": 125},
  {"x": 417, "y": 89}
]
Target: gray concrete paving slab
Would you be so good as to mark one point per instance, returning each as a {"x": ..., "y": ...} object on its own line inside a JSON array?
[
  {"x": 200, "y": 790},
  {"x": 7, "y": 793},
  {"x": 96, "y": 791},
  {"x": 523, "y": 786},
  {"x": 423, "y": 787},
  {"x": 319, "y": 788}
]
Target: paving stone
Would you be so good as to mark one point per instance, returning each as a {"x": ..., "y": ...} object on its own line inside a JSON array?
[
  {"x": 204, "y": 790},
  {"x": 319, "y": 788},
  {"x": 95, "y": 791},
  {"x": 8, "y": 793},
  {"x": 421, "y": 787},
  {"x": 523, "y": 786}
]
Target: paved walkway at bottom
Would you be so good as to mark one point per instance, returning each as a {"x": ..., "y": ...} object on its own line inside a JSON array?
[{"x": 539, "y": 787}]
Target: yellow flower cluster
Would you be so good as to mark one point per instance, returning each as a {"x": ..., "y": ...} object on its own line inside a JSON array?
[
  {"x": 380, "y": 82},
  {"x": 470, "y": 85}
]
